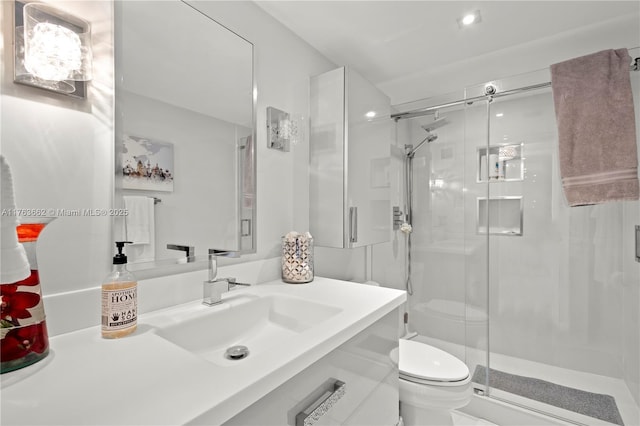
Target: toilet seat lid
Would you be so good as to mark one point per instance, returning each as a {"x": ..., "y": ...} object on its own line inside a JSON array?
[{"x": 424, "y": 362}]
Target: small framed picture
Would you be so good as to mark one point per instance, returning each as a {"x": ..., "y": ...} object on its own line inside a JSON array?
[{"x": 147, "y": 164}]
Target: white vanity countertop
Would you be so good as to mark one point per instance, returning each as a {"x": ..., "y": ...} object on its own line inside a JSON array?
[{"x": 145, "y": 379}]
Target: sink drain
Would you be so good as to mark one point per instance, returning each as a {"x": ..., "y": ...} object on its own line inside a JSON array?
[{"x": 237, "y": 352}]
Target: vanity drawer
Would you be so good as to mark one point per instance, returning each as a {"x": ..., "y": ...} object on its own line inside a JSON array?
[{"x": 362, "y": 366}]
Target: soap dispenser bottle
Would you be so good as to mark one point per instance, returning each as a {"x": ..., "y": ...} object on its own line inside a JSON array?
[{"x": 119, "y": 298}]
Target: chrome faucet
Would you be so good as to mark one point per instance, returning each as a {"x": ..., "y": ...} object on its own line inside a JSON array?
[
  {"x": 214, "y": 287},
  {"x": 190, "y": 251}
]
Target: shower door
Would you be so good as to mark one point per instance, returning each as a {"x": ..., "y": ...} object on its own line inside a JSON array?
[
  {"x": 447, "y": 256},
  {"x": 440, "y": 244},
  {"x": 562, "y": 287},
  {"x": 541, "y": 300},
  {"x": 476, "y": 266}
]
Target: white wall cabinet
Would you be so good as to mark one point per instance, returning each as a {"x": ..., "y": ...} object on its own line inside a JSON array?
[
  {"x": 366, "y": 388},
  {"x": 349, "y": 161}
]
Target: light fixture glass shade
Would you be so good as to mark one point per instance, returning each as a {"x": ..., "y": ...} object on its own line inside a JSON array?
[
  {"x": 56, "y": 48},
  {"x": 282, "y": 129},
  {"x": 52, "y": 52},
  {"x": 52, "y": 49}
]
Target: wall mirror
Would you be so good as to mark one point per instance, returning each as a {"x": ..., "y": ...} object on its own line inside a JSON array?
[{"x": 185, "y": 139}]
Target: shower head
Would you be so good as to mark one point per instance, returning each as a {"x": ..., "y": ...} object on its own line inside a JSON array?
[
  {"x": 435, "y": 124},
  {"x": 431, "y": 137},
  {"x": 429, "y": 127},
  {"x": 411, "y": 151}
]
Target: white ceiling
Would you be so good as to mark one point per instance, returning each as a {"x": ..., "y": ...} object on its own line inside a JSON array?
[{"x": 388, "y": 41}]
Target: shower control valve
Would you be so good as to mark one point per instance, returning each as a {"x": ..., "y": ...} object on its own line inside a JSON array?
[{"x": 397, "y": 218}]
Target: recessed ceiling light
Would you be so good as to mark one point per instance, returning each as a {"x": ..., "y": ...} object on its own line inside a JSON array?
[
  {"x": 370, "y": 114},
  {"x": 469, "y": 18},
  {"x": 500, "y": 114}
]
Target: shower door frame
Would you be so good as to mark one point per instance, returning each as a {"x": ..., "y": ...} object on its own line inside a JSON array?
[{"x": 484, "y": 389}]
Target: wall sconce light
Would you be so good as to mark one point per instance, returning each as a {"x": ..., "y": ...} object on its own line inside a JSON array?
[
  {"x": 282, "y": 130},
  {"x": 52, "y": 49}
]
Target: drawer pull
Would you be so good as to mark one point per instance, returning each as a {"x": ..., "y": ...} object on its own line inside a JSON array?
[{"x": 318, "y": 408}]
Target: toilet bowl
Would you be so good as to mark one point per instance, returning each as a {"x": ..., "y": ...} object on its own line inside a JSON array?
[{"x": 432, "y": 383}]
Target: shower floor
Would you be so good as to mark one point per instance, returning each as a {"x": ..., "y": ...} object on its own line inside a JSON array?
[{"x": 629, "y": 411}]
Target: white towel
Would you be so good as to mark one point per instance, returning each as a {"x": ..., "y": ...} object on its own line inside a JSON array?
[
  {"x": 140, "y": 228},
  {"x": 15, "y": 265}
]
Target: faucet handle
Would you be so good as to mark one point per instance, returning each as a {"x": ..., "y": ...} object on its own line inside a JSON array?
[
  {"x": 232, "y": 283},
  {"x": 225, "y": 253},
  {"x": 190, "y": 251}
]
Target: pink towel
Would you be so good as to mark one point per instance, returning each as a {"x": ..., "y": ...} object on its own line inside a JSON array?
[{"x": 596, "y": 128}]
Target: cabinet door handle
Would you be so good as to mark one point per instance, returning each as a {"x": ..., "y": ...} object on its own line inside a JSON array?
[
  {"x": 637, "y": 243},
  {"x": 319, "y": 407},
  {"x": 353, "y": 224}
]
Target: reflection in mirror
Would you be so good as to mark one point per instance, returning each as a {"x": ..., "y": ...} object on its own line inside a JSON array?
[{"x": 185, "y": 156}]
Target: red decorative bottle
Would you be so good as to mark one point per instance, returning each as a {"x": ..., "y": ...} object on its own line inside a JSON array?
[{"x": 23, "y": 325}]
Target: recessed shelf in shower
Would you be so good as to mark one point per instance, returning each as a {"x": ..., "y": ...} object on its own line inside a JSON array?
[
  {"x": 504, "y": 216},
  {"x": 503, "y": 164}
]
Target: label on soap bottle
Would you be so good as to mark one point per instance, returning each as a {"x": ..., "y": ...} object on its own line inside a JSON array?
[{"x": 119, "y": 308}]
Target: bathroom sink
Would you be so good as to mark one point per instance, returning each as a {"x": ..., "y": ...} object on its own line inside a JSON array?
[{"x": 258, "y": 322}]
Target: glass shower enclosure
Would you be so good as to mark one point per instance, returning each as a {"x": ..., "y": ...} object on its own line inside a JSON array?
[{"x": 541, "y": 300}]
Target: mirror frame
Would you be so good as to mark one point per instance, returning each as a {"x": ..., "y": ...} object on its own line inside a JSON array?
[{"x": 163, "y": 267}]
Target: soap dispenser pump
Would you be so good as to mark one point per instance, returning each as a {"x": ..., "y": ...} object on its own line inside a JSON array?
[{"x": 119, "y": 298}]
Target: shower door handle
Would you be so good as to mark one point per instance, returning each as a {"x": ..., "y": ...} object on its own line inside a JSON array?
[
  {"x": 353, "y": 224},
  {"x": 245, "y": 227},
  {"x": 637, "y": 243}
]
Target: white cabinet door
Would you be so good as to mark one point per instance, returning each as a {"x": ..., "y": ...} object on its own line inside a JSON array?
[
  {"x": 349, "y": 161},
  {"x": 369, "y": 156},
  {"x": 326, "y": 159}
]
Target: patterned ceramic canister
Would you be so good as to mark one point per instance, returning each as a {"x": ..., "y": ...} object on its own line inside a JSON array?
[{"x": 297, "y": 258}]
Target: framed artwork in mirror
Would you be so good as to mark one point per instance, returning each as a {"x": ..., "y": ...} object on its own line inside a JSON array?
[{"x": 147, "y": 164}]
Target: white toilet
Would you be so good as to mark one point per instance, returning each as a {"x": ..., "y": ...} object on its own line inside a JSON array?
[{"x": 432, "y": 383}]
